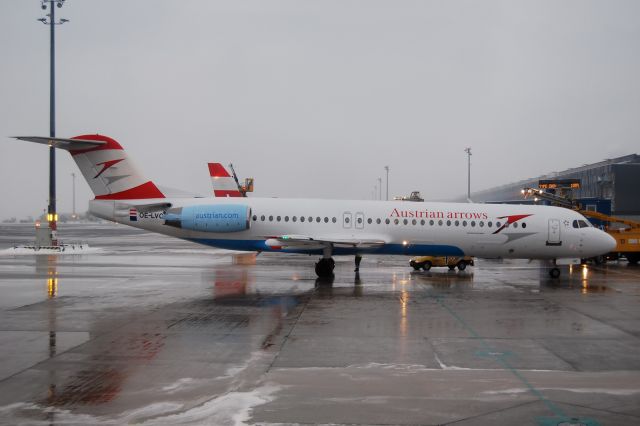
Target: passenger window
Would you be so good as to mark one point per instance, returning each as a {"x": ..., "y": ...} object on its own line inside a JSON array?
[
  {"x": 334, "y": 220},
  {"x": 301, "y": 218},
  {"x": 473, "y": 223},
  {"x": 278, "y": 218},
  {"x": 318, "y": 219},
  {"x": 378, "y": 221},
  {"x": 369, "y": 221},
  {"x": 422, "y": 222},
  {"x": 489, "y": 224},
  {"x": 440, "y": 223},
  {"x": 524, "y": 224},
  {"x": 515, "y": 224},
  {"x": 431, "y": 222},
  {"x": 262, "y": 218},
  {"x": 386, "y": 221},
  {"x": 255, "y": 217},
  {"x": 270, "y": 218},
  {"x": 396, "y": 221},
  {"x": 359, "y": 220},
  {"x": 414, "y": 221},
  {"x": 497, "y": 224},
  {"x": 457, "y": 223},
  {"x": 326, "y": 219},
  {"x": 286, "y": 218},
  {"x": 310, "y": 219},
  {"x": 481, "y": 223},
  {"x": 294, "y": 218},
  {"x": 405, "y": 221},
  {"x": 464, "y": 223},
  {"x": 347, "y": 220}
]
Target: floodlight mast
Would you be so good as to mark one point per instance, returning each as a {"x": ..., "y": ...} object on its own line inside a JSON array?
[
  {"x": 468, "y": 151},
  {"x": 52, "y": 215}
]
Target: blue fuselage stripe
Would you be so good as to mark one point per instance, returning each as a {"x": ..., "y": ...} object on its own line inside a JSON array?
[{"x": 401, "y": 249}]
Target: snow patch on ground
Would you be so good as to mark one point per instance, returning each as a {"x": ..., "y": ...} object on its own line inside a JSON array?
[
  {"x": 25, "y": 251},
  {"x": 231, "y": 409},
  {"x": 619, "y": 392}
]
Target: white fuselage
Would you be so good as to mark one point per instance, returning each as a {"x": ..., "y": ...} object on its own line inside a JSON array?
[{"x": 421, "y": 228}]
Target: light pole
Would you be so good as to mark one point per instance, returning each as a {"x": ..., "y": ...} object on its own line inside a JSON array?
[
  {"x": 52, "y": 215},
  {"x": 468, "y": 151},
  {"x": 73, "y": 180},
  {"x": 380, "y": 187},
  {"x": 387, "y": 169}
]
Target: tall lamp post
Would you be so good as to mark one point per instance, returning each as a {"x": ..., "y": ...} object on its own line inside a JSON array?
[
  {"x": 387, "y": 169},
  {"x": 52, "y": 215},
  {"x": 468, "y": 151},
  {"x": 73, "y": 180}
]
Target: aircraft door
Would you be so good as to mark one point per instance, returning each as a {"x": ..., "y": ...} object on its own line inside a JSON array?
[
  {"x": 359, "y": 220},
  {"x": 553, "y": 238},
  {"x": 346, "y": 220}
]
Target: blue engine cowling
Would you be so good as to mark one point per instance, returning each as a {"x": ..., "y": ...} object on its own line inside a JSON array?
[{"x": 210, "y": 218}]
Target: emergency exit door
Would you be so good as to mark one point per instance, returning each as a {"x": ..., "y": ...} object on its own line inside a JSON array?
[{"x": 346, "y": 220}]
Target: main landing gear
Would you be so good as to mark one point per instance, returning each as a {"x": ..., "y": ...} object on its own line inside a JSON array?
[{"x": 324, "y": 266}]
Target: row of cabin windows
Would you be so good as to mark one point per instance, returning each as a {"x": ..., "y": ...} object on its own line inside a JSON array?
[
  {"x": 294, "y": 219},
  {"x": 378, "y": 221}
]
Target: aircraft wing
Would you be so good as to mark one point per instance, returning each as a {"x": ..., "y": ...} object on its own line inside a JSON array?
[
  {"x": 304, "y": 242},
  {"x": 68, "y": 144}
]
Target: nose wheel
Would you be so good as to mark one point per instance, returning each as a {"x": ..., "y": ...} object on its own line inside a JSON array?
[{"x": 554, "y": 272}]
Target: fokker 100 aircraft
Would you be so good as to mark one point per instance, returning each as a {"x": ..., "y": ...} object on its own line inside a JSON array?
[{"x": 329, "y": 227}]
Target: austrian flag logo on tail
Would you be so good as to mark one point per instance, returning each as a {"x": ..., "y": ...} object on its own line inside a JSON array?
[{"x": 133, "y": 214}]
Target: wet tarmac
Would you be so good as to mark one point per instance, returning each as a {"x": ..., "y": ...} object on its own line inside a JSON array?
[{"x": 147, "y": 329}]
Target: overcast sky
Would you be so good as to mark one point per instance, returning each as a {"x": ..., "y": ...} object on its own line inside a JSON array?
[{"x": 314, "y": 98}]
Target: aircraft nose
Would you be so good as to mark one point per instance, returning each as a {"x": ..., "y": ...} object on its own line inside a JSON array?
[
  {"x": 609, "y": 242},
  {"x": 606, "y": 243}
]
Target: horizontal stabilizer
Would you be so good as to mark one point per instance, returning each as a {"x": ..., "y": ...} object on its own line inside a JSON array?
[{"x": 62, "y": 143}]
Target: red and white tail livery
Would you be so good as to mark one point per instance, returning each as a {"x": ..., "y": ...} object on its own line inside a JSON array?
[
  {"x": 106, "y": 167},
  {"x": 224, "y": 185}
]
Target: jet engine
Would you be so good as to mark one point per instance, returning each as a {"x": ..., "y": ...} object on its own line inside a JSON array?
[{"x": 210, "y": 218}]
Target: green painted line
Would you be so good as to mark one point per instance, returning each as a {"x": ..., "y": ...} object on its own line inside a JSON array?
[{"x": 559, "y": 418}]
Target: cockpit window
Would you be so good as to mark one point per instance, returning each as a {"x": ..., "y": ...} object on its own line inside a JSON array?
[{"x": 580, "y": 224}]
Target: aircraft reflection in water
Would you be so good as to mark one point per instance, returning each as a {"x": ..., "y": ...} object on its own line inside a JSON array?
[{"x": 581, "y": 277}]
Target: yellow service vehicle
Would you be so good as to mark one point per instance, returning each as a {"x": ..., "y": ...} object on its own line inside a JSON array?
[{"x": 453, "y": 262}]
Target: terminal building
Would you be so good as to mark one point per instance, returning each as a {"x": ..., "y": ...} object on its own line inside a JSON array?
[{"x": 613, "y": 185}]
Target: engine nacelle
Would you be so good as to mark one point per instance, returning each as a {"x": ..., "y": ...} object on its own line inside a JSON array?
[{"x": 210, "y": 218}]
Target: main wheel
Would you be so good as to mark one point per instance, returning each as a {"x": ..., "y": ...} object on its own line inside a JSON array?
[
  {"x": 452, "y": 267},
  {"x": 324, "y": 267},
  {"x": 554, "y": 272},
  {"x": 633, "y": 258},
  {"x": 426, "y": 266},
  {"x": 462, "y": 265}
]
